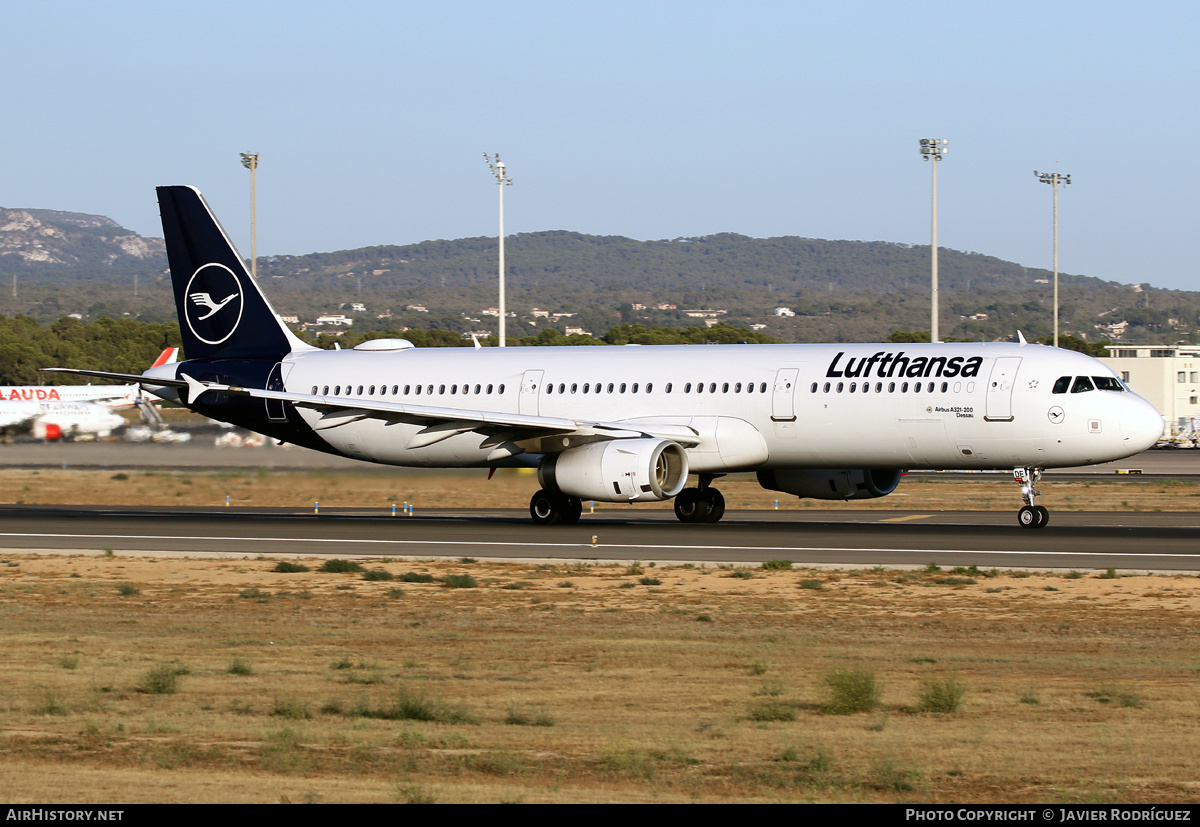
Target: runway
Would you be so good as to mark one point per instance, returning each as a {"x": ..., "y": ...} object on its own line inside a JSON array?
[{"x": 1074, "y": 540}]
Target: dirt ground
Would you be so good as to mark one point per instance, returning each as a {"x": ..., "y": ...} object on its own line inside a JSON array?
[
  {"x": 162, "y": 679},
  {"x": 173, "y": 679},
  {"x": 374, "y": 487}
]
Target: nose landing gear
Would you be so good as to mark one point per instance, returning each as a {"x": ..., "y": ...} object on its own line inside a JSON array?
[{"x": 1030, "y": 515}]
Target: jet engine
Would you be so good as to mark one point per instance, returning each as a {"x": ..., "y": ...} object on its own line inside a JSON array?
[
  {"x": 831, "y": 483},
  {"x": 617, "y": 470}
]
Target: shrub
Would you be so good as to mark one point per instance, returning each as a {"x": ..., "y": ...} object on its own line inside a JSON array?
[
  {"x": 766, "y": 710},
  {"x": 742, "y": 574},
  {"x": 378, "y": 574},
  {"x": 240, "y": 667},
  {"x": 415, "y": 577},
  {"x": 291, "y": 709},
  {"x": 812, "y": 584},
  {"x": 852, "y": 690},
  {"x": 777, "y": 564},
  {"x": 284, "y": 567},
  {"x": 941, "y": 695},
  {"x": 338, "y": 566},
  {"x": 1125, "y": 696},
  {"x": 534, "y": 717},
  {"x": 459, "y": 581},
  {"x": 650, "y": 581},
  {"x": 395, "y": 593},
  {"x": 161, "y": 680},
  {"x": 128, "y": 590}
]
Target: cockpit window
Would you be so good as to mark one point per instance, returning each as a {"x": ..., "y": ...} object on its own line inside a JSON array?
[
  {"x": 1063, "y": 384},
  {"x": 1108, "y": 383},
  {"x": 1082, "y": 385}
]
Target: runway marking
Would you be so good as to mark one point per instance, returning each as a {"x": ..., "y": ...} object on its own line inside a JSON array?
[
  {"x": 905, "y": 519},
  {"x": 588, "y": 545}
]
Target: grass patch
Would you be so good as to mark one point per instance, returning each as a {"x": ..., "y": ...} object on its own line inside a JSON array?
[
  {"x": 812, "y": 584},
  {"x": 161, "y": 680},
  {"x": 1128, "y": 697},
  {"x": 240, "y": 667},
  {"x": 851, "y": 691},
  {"x": 284, "y": 567},
  {"x": 128, "y": 590},
  {"x": 408, "y": 705},
  {"x": 536, "y": 716},
  {"x": 941, "y": 695},
  {"x": 767, "y": 710},
  {"x": 460, "y": 581},
  {"x": 777, "y": 564},
  {"x": 339, "y": 566}
]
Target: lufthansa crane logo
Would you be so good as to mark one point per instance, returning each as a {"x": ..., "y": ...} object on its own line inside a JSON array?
[{"x": 213, "y": 303}]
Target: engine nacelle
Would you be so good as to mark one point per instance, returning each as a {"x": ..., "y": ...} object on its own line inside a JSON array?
[
  {"x": 618, "y": 470},
  {"x": 831, "y": 483}
]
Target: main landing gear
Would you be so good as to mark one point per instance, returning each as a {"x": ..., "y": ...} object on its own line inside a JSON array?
[
  {"x": 555, "y": 508},
  {"x": 700, "y": 505},
  {"x": 1030, "y": 515}
]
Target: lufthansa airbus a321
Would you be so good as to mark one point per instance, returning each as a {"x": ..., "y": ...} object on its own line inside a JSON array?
[{"x": 634, "y": 423}]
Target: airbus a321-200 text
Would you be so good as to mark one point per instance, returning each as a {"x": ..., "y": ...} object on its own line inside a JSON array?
[{"x": 633, "y": 423}]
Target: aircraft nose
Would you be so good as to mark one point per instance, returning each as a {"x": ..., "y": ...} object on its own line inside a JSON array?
[{"x": 1141, "y": 426}]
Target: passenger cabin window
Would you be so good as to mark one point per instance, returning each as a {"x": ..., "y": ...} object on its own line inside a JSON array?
[
  {"x": 1062, "y": 384},
  {"x": 1082, "y": 385}
]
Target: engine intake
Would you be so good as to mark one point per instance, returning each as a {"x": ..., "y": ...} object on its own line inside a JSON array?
[
  {"x": 618, "y": 470},
  {"x": 831, "y": 483}
]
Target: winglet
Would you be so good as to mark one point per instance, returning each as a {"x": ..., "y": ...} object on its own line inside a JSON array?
[{"x": 1021, "y": 337}]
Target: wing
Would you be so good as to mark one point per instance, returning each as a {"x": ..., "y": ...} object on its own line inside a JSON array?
[{"x": 500, "y": 430}]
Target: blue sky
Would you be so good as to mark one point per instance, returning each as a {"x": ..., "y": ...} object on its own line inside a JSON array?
[{"x": 647, "y": 119}]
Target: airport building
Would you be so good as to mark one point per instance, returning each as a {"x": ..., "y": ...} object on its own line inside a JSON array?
[{"x": 1167, "y": 376}]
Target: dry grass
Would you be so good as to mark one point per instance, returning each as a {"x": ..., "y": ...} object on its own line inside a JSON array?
[
  {"x": 646, "y": 702},
  {"x": 375, "y": 488}
]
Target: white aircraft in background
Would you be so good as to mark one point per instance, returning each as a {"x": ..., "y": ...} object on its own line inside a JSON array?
[
  {"x": 630, "y": 424},
  {"x": 56, "y": 420},
  {"x": 112, "y": 396},
  {"x": 57, "y": 411}
]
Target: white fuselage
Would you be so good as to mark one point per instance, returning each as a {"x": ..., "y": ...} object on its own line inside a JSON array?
[
  {"x": 112, "y": 396},
  {"x": 951, "y": 406}
]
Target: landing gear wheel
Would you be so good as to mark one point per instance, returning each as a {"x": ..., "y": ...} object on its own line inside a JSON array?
[
  {"x": 692, "y": 507},
  {"x": 1033, "y": 516},
  {"x": 555, "y": 508},
  {"x": 543, "y": 509},
  {"x": 572, "y": 510},
  {"x": 716, "y": 504}
]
